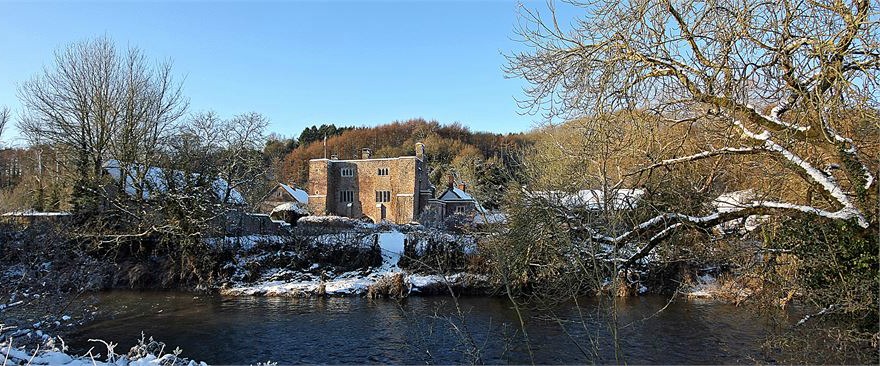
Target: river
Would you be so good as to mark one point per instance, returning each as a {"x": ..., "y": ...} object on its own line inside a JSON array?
[{"x": 246, "y": 330}]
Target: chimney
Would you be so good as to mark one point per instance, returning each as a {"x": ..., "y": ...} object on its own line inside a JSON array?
[
  {"x": 366, "y": 153},
  {"x": 451, "y": 181},
  {"x": 420, "y": 150},
  {"x": 463, "y": 187}
]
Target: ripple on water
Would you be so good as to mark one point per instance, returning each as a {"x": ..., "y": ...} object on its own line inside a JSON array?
[{"x": 238, "y": 330}]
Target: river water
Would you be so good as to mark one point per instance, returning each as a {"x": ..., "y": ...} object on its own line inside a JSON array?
[{"x": 419, "y": 330}]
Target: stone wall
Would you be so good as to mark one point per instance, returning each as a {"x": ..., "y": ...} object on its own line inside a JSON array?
[
  {"x": 319, "y": 186},
  {"x": 406, "y": 183}
]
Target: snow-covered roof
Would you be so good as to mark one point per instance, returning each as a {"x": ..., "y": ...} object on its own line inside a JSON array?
[
  {"x": 292, "y": 207},
  {"x": 220, "y": 185},
  {"x": 594, "y": 199},
  {"x": 297, "y": 194},
  {"x": 731, "y": 201},
  {"x": 455, "y": 194},
  {"x": 156, "y": 180}
]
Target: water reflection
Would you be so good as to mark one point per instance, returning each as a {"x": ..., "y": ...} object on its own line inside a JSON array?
[{"x": 427, "y": 330}]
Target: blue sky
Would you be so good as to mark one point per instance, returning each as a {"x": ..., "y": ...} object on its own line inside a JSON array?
[{"x": 299, "y": 63}]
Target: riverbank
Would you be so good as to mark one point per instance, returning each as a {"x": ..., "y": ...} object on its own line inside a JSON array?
[
  {"x": 323, "y": 256},
  {"x": 344, "y": 269},
  {"x": 389, "y": 279}
]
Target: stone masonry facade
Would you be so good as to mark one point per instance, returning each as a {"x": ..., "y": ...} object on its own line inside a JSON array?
[{"x": 386, "y": 189}]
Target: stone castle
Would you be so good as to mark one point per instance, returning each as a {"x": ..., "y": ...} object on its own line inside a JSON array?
[{"x": 386, "y": 189}]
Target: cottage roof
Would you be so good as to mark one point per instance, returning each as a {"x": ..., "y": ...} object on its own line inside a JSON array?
[
  {"x": 455, "y": 194},
  {"x": 156, "y": 180},
  {"x": 298, "y": 194}
]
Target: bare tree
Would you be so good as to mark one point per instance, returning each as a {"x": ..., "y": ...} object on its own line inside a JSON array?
[
  {"x": 96, "y": 104},
  {"x": 4, "y": 118},
  {"x": 243, "y": 164},
  {"x": 774, "y": 103},
  {"x": 233, "y": 148},
  {"x": 792, "y": 82}
]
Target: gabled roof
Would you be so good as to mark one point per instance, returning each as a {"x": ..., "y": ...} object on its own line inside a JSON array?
[
  {"x": 455, "y": 194},
  {"x": 297, "y": 194},
  {"x": 156, "y": 180}
]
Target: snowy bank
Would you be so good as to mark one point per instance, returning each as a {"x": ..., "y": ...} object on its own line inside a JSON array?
[
  {"x": 318, "y": 281},
  {"x": 52, "y": 352},
  {"x": 359, "y": 284}
]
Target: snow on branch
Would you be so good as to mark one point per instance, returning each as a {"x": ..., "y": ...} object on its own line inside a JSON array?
[
  {"x": 656, "y": 239},
  {"x": 825, "y": 181},
  {"x": 668, "y": 222},
  {"x": 847, "y": 143},
  {"x": 703, "y": 155},
  {"x": 775, "y": 114},
  {"x": 848, "y": 147}
]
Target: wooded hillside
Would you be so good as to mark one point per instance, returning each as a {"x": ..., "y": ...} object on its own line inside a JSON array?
[{"x": 451, "y": 148}]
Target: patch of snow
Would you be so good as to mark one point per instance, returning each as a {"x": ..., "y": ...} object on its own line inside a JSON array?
[
  {"x": 424, "y": 280},
  {"x": 392, "y": 244}
]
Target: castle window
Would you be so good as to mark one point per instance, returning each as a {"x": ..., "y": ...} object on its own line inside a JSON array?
[
  {"x": 383, "y": 171},
  {"x": 460, "y": 209},
  {"x": 347, "y": 172},
  {"x": 346, "y": 196},
  {"x": 383, "y": 196}
]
